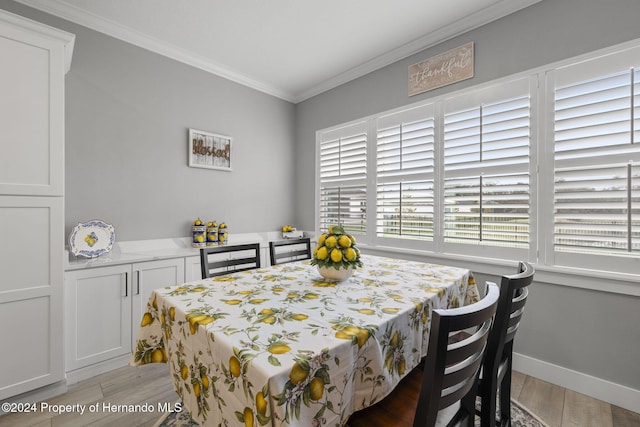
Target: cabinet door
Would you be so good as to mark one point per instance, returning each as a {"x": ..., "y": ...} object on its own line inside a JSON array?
[
  {"x": 31, "y": 276},
  {"x": 192, "y": 270},
  {"x": 148, "y": 276},
  {"x": 32, "y": 107},
  {"x": 98, "y": 314}
]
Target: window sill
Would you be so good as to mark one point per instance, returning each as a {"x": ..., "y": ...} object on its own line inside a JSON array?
[{"x": 597, "y": 280}]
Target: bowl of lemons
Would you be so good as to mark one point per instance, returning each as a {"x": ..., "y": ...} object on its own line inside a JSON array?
[{"x": 336, "y": 254}]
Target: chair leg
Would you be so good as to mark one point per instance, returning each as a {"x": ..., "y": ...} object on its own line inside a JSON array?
[
  {"x": 488, "y": 386},
  {"x": 468, "y": 406},
  {"x": 505, "y": 389}
]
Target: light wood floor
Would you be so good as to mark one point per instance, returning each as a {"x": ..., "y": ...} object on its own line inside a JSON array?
[{"x": 150, "y": 384}]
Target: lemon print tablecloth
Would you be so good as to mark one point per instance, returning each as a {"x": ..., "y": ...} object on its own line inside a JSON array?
[{"x": 278, "y": 346}]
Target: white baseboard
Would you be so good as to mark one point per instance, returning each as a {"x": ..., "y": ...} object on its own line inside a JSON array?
[{"x": 607, "y": 391}]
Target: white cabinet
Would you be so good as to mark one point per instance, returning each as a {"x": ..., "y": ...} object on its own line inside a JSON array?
[
  {"x": 192, "y": 269},
  {"x": 34, "y": 60},
  {"x": 104, "y": 307},
  {"x": 97, "y": 315},
  {"x": 148, "y": 276}
]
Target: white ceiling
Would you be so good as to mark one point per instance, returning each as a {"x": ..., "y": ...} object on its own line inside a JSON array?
[{"x": 292, "y": 49}]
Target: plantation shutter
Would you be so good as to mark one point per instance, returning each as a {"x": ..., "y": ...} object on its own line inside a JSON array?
[
  {"x": 343, "y": 173},
  {"x": 405, "y": 174},
  {"x": 486, "y": 167},
  {"x": 597, "y": 161}
]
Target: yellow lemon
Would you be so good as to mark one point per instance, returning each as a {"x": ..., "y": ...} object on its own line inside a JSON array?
[
  {"x": 300, "y": 316},
  {"x": 390, "y": 310},
  {"x": 206, "y": 320},
  {"x": 269, "y": 320},
  {"x": 196, "y": 319},
  {"x": 205, "y": 381},
  {"x": 353, "y": 239},
  {"x": 366, "y": 311},
  {"x": 233, "y": 301},
  {"x": 234, "y": 366},
  {"x": 322, "y": 238},
  {"x": 331, "y": 242},
  {"x": 146, "y": 319},
  {"x": 351, "y": 330},
  {"x": 157, "y": 356},
  {"x": 336, "y": 255},
  {"x": 395, "y": 339},
  {"x": 344, "y": 241},
  {"x": 363, "y": 336},
  {"x": 196, "y": 389},
  {"x": 298, "y": 373},
  {"x": 350, "y": 254},
  {"x": 261, "y": 403},
  {"x": 365, "y": 299},
  {"x": 316, "y": 388},
  {"x": 172, "y": 313},
  {"x": 155, "y": 303},
  {"x": 199, "y": 238},
  {"x": 402, "y": 365},
  {"x": 266, "y": 311},
  {"x": 310, "y": 296},
  {"x": 184, "y": 372},
  {"x": 279, "y": 349},
  {"x": 343, "y": 335},
  {"x": 256, "y": 301},
  {"x": 322, "y": 253},
  {"x": 248, "y": 417}
]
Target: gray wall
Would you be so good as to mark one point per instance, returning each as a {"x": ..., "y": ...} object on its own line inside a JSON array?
[
  {"x": 128, "y": 112},
  {"x": 591, "y": 332}
]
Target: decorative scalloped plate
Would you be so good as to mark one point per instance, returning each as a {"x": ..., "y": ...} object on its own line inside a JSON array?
[{"x": 92, "y": 238}]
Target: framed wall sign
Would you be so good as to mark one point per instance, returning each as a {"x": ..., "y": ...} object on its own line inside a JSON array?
[
  {"x": 441, "y": 70},
  {"x": 209, "y": 150}
]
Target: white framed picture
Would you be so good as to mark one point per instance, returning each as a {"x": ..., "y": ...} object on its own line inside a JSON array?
[{"x": 209, "y": 150}]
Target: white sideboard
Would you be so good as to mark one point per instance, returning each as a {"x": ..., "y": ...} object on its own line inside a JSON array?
[
  {"x": 35, "y": 59},
  {"x": 105, "y": 297}
]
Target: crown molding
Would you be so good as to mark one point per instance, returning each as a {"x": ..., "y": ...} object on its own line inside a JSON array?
[
  {"x": 476, "y": 20},
  {"x": 129, "y": 35}
]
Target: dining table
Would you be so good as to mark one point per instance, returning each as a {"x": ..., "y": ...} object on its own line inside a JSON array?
[{"x": 281, "y": 346}]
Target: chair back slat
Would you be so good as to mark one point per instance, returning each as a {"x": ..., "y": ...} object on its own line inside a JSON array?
[
  {"x": 211, "y": 268},
  {"x": 289, "y": 250}
]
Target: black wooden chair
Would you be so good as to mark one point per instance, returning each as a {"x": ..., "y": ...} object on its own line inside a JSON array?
[
  {"x": 445, "y": 390},
  {"x": 495, "y": 379},
  {"x": 210, "y": 264},
  {"x": 289, "y": 250}
]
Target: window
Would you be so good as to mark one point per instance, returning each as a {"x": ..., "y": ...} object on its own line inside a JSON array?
[
  {"x": 405, "y": 174},
  {"x": 343, "y": 173},
  {"x": 543, "y": 167},
  {"x": 487, "y": 142},
  {"x": 597, "y": 155}
]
